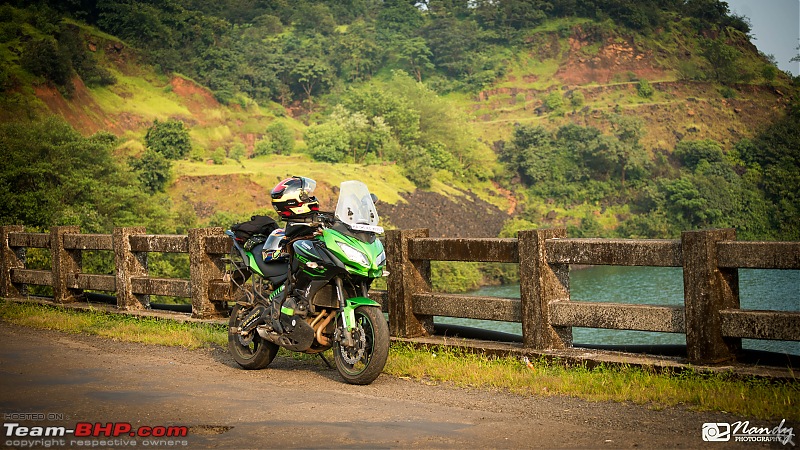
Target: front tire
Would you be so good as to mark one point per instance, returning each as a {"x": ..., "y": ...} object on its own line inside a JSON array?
[
  {"x": 362, "y": 363},
  {"x": 251, "y": 352}
]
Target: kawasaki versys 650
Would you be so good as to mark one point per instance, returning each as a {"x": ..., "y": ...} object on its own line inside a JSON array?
[{"x": 305, "y": 287}]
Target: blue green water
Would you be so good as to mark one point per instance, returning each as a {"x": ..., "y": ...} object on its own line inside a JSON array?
[{"x": 758, "y": 289}]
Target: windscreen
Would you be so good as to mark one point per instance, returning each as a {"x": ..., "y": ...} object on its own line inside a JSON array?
[{"x": 355, "y": 207}]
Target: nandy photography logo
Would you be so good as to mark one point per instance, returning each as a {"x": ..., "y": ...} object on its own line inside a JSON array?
[{"x": 741, "y": 431}]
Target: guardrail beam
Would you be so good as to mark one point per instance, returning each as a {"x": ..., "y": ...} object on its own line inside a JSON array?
[
  {"x": 618, "y": 316},
  {"x": 777, "y": 325}
]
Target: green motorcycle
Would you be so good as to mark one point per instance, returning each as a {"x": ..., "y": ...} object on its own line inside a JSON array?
[{"x": 313, "y": 296}]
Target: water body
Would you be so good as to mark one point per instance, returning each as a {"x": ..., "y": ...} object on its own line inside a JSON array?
[{"x": 758, "y": 289}]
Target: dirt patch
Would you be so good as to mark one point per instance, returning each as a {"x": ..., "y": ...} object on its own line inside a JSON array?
[
  {"x": 454, "y": 217},
  {"x": 196, "y": 98},
  {"x": 615, "y": 58},
  {"x": 235, "y": 193},
  {"x": 81, "y": 111}
]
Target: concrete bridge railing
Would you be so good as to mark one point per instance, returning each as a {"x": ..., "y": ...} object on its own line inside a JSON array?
[
  {"x": 711, "y": 317},
  {"x": 131, "y": 283}
]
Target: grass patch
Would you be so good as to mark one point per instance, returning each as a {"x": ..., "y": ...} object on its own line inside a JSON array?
[
  {"x": 704, "y": 392},
  {"x": 137, "y": 96},
  {"x": 384, "y": 180},
  {"x": 749, "y": 398},
  {"x": 119, "y": 327}
]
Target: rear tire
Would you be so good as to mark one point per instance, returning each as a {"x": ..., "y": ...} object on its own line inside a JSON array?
[
  {"x": 363, "y": 363},
  {"x": 251, "y": 353}
]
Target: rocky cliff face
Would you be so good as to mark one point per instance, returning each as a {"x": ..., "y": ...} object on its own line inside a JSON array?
[{"x": 464, "y": 217}]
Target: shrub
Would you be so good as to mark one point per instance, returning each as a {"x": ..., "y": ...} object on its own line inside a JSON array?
[
  {"x": 44, "y": 59},
  {"x": 644, "y": 89},
  {"x": 218, "y": 156},
  {"x": 169, "y": 138},
  {"x": 577, "y": 99}
]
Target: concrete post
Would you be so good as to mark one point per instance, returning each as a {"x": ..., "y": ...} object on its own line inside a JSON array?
[
  {"x": 406, "y": 277},
  {"x": 129, "y": 265},
  {"x": 10, "y": 258},
  {"x": 706, "y": 290},
  {"x": 541, "y": 283},
  {"x": 66, "y": 265},
  {"x": 204, "y": 268}
]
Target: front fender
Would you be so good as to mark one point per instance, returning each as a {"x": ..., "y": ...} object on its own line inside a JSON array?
[{"x": 349, "y": 312}]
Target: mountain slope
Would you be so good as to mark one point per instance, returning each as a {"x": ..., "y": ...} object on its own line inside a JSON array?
[{"x": 555, "y": 71}]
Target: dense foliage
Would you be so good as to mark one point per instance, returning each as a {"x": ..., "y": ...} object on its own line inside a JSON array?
[
  {"x": 384, "y": 67},
  {"x": 752, "y": 187},
  {"x": 49, "y": 48},
  {"x": 290, "y": 51},
  {"x": 50, "y": 174}
]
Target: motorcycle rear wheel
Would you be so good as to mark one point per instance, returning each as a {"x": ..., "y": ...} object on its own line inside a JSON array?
[
  {"x": 252, "y": 353},
  {"x": 362, "y": 363}
]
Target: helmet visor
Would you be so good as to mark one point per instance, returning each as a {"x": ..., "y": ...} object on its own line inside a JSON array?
[{"x": 307, "y": 187}]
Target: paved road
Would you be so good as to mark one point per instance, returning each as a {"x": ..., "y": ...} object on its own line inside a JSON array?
[{"x": 297, "y": 403}]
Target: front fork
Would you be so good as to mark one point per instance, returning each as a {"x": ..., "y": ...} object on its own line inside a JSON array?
[
  {"x": 347, "y": 309},
  {"x": 348, "y": 315}
]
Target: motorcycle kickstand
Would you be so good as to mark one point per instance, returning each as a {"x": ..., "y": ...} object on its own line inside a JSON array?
[{"x": 327, "y": 363}]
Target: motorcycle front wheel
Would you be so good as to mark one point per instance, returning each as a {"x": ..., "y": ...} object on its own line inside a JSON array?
[
  {"x": 251, "y": 352},
  {"x": 364, "y": 361}
]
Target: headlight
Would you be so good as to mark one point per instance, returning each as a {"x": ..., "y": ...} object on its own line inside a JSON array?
[
  {"x": 354, "y": 255},
  {"x": 380, "y": 259}
]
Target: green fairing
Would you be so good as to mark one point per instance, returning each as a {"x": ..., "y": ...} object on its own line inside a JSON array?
[
  {"x": 349, "y": 312},
  {"x": 332, "y": 238}
]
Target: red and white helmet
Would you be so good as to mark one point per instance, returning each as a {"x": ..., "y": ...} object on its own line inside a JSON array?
[{"x": 293, "y": 197}]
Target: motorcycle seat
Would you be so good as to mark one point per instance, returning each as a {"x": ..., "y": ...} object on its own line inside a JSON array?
[{"x": 276, "y": 270}]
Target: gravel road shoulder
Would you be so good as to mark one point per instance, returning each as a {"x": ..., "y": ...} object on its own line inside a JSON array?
[{"x": 303, "y": 404}]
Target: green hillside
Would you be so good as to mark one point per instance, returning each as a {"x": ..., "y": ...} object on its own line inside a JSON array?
[{"x": 613, "y": 118}]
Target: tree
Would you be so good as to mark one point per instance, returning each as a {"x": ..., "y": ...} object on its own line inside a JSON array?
[
  {"x": 314, "y": 18},
  {"x": 279, "y": 140},
  {"x": 416, "y": 54},
  {"x": 365, "y": 135},
  {"x": 42, "y": 57},
  {"x": 375, "y": 100},
  {"x": 631, "y": 156},
  {"x": 453, "y": 44},
  {"x": 51, "y": 175},
  {"x": 170, "y": 139},
  {"x": 312, "y": 74},
  {"x": 723, "y": 59},
  {"x": 153, "y": 169},
  {"x": 359, "y": 54},
  {"x": 327, "y": 142},
  {"x": 530, "y": 154},
  {"x": 690, "y": 153}
]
